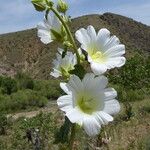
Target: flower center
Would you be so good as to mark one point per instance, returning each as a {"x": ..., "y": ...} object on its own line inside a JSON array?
[
  {"x": 87, "y": 105},
  {"x": 65, "y": 70},
  {"x": 98, "y": 57}
]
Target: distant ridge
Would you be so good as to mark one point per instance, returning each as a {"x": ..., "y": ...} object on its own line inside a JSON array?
[{"x": 23, "y": 50}]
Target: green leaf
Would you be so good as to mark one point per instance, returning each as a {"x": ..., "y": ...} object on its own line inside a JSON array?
[
  {"x": 62, "y": 135},
  {"x": 56, "y": 35},
  {"x": 79, "y": 71},
  {"x": 39, "y": 5}
]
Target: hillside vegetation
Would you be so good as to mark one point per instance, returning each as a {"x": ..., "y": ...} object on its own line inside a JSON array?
[{"x": 24, "y": 51}]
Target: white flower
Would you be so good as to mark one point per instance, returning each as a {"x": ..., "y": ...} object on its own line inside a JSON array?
[
  {"x": 62, "y": 66},
  {"x": 88, "y": 102},
  {"x": 104, "y": 51},
  {"x": 45, "y": 28}
]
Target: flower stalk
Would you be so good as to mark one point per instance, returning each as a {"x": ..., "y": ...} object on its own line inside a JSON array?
[{"x": 68, "y": 32}]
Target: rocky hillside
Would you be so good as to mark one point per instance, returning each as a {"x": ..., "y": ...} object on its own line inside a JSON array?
[{"x": 24, "y": 51}]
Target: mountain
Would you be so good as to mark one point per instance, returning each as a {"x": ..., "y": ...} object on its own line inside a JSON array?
[{"x": 23, "y": 51}]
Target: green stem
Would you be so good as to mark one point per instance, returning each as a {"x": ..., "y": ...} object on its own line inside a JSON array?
[
  {"x": 68, "y": 32},
  {"x": 72, "y": 137}
]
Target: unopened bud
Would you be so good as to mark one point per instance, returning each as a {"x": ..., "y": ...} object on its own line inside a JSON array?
[
  {"x": 62, "y": 6},
  {"x": 67, "y": 44},
  {"x": 40, "y": 5},
  {"x": 50, "y": 3}
]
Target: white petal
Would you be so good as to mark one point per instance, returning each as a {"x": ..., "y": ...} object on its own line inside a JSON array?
[
  {"x": 65, "y": 88},
  {"x": 91, "y": 126},
  {"x": 110, "y": 93},
  {"x": 115, "y": 62},
  {"x": 113, "y": 41},
  {"x": 42, "y": 26},
  {"x": 83, "y": 37},
  {"x": 75, "y": 116},
  {"x": 90, "y": 82},
  {"x": 115, "y": 51},
  {"x": 55, "y": 73},
  {"x": 91, "y": 32},
  {"x": 46, "y": 40},
  {"x": 112, "y": 107},
  {"x": 75, "y": 84},
  {"x": 65, "y": 103},
  {"x": 56, "y": 25},
  {"x": 98, "y": 68},
  {"x": 103, "y": 116},
  {"x": 103, "y": 37}
]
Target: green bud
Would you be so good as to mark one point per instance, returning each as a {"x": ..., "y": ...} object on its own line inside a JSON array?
[
  {"x": 49, "y": 3},
  {"x": 62, "y": 6},
  {"x": 40, "y": 5},
  {"x": 67, "y": 44}
]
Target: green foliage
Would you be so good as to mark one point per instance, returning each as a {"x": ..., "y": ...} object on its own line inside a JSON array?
[
  {"x": 61, "y": 136},
  {"x": 79, "y": 71},
  {"x": 135, "y": 74},
  {"x": 129, "y": 95},
  {"x": 24, "y": 81},
  {"x": 49, "y": 88},
  {"x": 18, "y": 139},
  {"x": 8, "y": 85},
  {"x": 20, "y": 100},
  {"x": 3, "y": 123}
]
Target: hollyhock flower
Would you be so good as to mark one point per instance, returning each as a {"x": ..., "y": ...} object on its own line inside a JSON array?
[
  {"x": 88, "y": 102},
  {"x": 48, "y": 27},
  {"x": 62, "y": 66},
  {"x": 104, "y": 51}
]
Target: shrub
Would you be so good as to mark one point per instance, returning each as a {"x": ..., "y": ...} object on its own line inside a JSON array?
[
  {"x": 129, "y": 95},
  {"x": 3, "y": 123},
  {"x": 135, "y": 74},
  {"x": 8, "y": 85},
  {"x": 25, "y": 98},
  {"x": 4, "y": 103},
  {"x": 49, "y": 89},
  {"x": 20, "y": 100},
  {"x": 24, "y": 81}
]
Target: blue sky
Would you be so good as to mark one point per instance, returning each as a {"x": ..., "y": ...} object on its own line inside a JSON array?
[{"x": 18, "y": 15}]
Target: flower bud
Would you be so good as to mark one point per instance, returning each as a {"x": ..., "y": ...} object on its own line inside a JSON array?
[
  {"x": 67, "y": 44},
  {"x": 62, "y": 6},
  {"x": 40, "y": 5},
  {"x": 50, "y": 3}
]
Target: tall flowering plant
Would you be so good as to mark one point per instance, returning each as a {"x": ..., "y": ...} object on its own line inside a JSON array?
[{"x": 88, "y": 101}]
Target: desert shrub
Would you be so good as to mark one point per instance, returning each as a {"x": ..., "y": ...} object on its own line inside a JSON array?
[
  {"x": 3, "y": 123},
  {"x": 129, "y": 95},
  {"x": 135, "y": 74},
  {"x": 49, "y": 88},
  {"x": 5, "y": 101},
  {"x": 8, "y": 85},
  {"x": 24, "y": 81},
  {"x": 20, "y": 100},
  {"x": 27, "y": 98}
]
